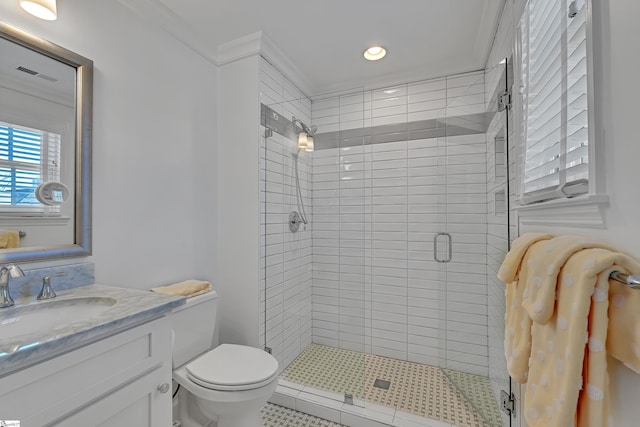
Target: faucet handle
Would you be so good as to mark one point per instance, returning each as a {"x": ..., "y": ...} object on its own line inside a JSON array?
[
  {"x": 6, "y": 271},
  {"x": 14, "y": 271},
  {"x": 47, "y": 291}
]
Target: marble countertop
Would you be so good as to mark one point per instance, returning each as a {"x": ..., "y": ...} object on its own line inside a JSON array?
[{"x": 132, "y": 307}]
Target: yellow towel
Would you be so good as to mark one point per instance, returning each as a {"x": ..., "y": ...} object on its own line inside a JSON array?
[
  {"x": 623, "y": 339},
  {"x": 517, "y": 321},
  {"x": 188, "y": 288},
  {"x": 9, "y": 239},
  {"x": 531, "y": 271},
  {"x": 561, "y": 292}
]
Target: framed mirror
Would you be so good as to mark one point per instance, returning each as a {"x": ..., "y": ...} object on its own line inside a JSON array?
[{"x": 46, "y": 96}]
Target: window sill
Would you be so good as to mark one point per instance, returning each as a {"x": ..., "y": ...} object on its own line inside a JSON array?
[
  {"x": 36, "y": 220},
  {"x": 578, "y": 212}
]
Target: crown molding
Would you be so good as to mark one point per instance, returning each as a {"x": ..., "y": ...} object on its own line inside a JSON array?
[
  {"x": 235, "y": 50},
  {"x": 276, "y": 56},
  {"x": 258, "y": 43},
  {"x": 156, "y": 13},
  {"x": 494, "y": 25}
]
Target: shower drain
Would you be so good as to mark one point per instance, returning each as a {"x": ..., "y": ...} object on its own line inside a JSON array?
[{"x": 383, "y": 384}]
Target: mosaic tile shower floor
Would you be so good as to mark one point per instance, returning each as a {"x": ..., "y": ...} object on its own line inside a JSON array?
[
  {"x": 423, "y": 390},
  {"x": 277, "y": 416}
]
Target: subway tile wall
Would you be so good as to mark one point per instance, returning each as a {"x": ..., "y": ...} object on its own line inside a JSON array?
[
  {"x": 377, "y": 208},
  {"x": 285, "y": 273}
]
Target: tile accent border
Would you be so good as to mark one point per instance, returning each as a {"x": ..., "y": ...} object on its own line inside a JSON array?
[
  {"x": 468, "y": 124},
  {"x": 270, "y": 119}
]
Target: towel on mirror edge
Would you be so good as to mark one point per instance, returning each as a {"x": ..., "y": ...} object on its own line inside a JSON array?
[
  {"x": 9, "y": 239},
  {"x": 560, "y": 350},
  {"x": 188, "y": 288}
]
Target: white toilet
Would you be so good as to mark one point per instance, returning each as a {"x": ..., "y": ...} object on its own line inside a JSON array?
[{"x": 230, "y": 383}]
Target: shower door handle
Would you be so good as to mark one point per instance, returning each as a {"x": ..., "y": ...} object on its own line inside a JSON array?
[{"x": 449, "y": 246}]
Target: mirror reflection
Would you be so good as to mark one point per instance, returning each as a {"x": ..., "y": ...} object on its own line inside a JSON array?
[
  {"x": 37, "y": 146},
  {"x": 45, "y": 116}
]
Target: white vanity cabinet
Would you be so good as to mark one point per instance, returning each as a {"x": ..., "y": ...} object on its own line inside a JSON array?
[{"x": 122, "y": 380}]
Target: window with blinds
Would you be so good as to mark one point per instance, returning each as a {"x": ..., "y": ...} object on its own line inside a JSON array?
[
  {"x": 27, "y": 158},
  {"x": 553, "y": 68}
]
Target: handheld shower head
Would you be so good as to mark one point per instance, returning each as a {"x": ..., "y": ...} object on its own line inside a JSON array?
[{"x": 310, "y": 130}]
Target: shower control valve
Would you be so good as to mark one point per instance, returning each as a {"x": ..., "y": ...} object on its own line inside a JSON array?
[{"x": 294, "y": 221}]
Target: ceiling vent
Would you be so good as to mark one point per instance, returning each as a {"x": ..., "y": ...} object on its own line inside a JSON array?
[
  {"x": 48, "y": 78},
  {"x": 26, "y": 70},
  {"x": 37, "y": 74}
]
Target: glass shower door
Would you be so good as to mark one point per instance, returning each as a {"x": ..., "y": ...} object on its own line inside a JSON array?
[
  {"x": 285, "y": 247},
  {"x": 501, "y": 190},
  {"x": 477, "y": 229},
  {"x": 327, "y": 361}
]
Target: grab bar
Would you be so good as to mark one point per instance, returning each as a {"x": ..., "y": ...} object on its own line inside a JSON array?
[{"x": 627, "y": 279}]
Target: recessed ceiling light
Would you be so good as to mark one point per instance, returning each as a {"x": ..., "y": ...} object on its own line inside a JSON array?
[
  {"x": 374, "y": 53},
  {"x": 43, "y": 9}
]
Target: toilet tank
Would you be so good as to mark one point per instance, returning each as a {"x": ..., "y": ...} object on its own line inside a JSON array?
[{"x": 193, "y": 326}]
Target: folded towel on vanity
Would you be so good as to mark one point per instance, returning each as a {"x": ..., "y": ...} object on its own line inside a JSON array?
[
  {"x": 558, "y": 326},
  {"x": 9, "y": 239},
  {"x": 188, "y": 288}
]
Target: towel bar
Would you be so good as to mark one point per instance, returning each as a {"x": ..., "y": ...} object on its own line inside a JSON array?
[
  {"x": 627, "y": 279},
  {"x": 22, "y": 234}
]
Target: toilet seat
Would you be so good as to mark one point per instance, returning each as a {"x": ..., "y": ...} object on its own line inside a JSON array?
[{"x": 231, "y": 367}]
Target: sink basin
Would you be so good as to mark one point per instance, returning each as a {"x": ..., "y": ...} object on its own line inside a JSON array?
[{"x": 44, "y": 318}]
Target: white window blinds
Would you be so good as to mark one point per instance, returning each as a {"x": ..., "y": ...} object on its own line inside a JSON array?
[
  {"x": 554, "y": 85},
  {"x": 27, "y": 158}
]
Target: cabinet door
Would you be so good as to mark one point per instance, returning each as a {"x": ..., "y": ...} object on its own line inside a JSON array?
[
  {"x": 140, "y": 403},
  {"x": 66, "y": 384}
]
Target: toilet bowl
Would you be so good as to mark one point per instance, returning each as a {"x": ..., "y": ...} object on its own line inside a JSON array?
[{"x": 230, "y": 383}]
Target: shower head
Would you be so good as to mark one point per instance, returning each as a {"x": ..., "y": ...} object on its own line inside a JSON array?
[{"x": 310, "y": 130}]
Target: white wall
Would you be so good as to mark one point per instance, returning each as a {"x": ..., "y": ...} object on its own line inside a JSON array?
[
  {"x": 239, "y": 201},
  {"x": 155, "y": 114},
  {"x": 616, "y": 66}
]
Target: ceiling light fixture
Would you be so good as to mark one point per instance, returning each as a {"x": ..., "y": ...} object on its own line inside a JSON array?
[
  {"x": 375, "y": 53},
  {"x": 43, "y": 9}
]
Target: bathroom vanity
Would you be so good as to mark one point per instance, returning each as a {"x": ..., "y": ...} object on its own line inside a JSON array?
[{"x": 110, "y": 365}]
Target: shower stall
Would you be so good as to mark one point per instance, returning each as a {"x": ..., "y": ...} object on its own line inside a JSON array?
[{"x": 386, "y": 296}]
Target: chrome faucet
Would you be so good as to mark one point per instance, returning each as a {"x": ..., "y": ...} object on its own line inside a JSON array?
[
  {"x": 47, "y": 291},
  {"x": 6, "y": 271}
]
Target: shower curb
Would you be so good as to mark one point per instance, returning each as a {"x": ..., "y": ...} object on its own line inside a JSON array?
[{"x": 329, "y": 407}]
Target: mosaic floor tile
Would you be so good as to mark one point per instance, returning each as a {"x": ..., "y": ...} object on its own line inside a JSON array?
[
  {"x": 419, "y": 389},
  {"x": 478, "y": 392},
  {"x": 277, "y": 416}
]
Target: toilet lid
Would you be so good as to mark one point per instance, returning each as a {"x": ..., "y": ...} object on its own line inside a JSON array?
[{"x": 231, "y": 366}]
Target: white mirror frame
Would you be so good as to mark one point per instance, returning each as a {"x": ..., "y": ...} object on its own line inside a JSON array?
[{"x": 83, "y": 142}]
